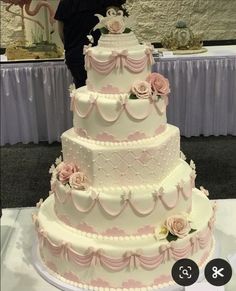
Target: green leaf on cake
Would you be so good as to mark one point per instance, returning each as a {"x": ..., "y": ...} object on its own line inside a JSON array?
[
  {"x": 127, "y": 30},
  {"x": 192, "y": 230},
  {"x": 133, "y": 96},
  {"x": 104, "y": 30},
  {"x": 170, "y": 237}
]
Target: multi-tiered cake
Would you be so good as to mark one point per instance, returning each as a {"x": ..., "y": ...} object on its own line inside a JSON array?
[{"x": 123, "y": 205}]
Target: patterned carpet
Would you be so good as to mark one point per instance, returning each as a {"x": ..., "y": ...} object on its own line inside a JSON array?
[{"x": 25, "y": 178}]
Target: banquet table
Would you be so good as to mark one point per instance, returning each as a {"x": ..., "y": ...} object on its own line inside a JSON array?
[
  {"x": 35, "y": 98},
  {"x": 203, "y": 91},
  {"x": 18, "y": 273},
  {"x": 35, "y": 101}
]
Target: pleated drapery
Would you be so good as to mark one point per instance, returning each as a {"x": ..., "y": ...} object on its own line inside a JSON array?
[
  {"x": 203, "y": 94},
  {"x": 35, "y": 102}
]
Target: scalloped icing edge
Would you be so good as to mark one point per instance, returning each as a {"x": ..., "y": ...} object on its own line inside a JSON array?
[
  {"x": 121, "y": 143},
  {"x": 148, "y": 288}
]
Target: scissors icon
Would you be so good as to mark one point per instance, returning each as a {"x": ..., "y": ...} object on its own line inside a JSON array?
[{"x": 217, "y": 272}]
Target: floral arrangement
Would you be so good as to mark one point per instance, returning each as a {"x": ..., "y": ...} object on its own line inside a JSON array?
[
  {"x": 68, "y": 174},
  {"x": 154, "y": 87},
  {"x": 175, "y": 226},
  {"x": 115, "y": 22}
]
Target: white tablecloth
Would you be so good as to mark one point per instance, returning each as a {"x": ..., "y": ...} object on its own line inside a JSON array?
[
  {"x": 35, "y": 98},
  {"x": 17, "y": 272},
  {"x": 35, "y": 102},
  {"x": 203, "y": 91}
]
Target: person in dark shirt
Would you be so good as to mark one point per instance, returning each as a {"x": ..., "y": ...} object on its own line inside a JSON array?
[{"x": 76, "y": 20}]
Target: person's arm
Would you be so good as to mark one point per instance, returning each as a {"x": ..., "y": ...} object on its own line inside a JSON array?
[{"x": 60, "y": 25}]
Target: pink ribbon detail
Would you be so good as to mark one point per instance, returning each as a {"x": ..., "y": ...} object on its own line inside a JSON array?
[{"x": 117, "y": 60}]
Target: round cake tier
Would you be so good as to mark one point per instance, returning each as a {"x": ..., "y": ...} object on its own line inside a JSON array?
[
  {"x": 103, "y": 212},
  {"x": 115, "y": 118},
  {"x": 115, "y": 69},
  {"x": 118, "y": 41},
  {"x": 109, "y": 164},
  {"x": 126, "y": 264}
]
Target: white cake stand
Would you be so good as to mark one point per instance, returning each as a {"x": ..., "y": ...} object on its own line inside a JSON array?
[{"x": 44, "y": 273}]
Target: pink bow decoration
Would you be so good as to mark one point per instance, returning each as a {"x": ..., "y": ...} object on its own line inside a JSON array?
[
  {"x": 166, "y": 251},
  {"x": 85, "y": 48},
  {"x": 72, "y": 102},
  {"x": 133, "y": 258},
  {"x": 96, "y": 257},
  {"x": 148, "y": 52},
  {"x": 64, "y": 250},
  {"x": 194, "y": 241},
  {"x": 119, "y": 58}
]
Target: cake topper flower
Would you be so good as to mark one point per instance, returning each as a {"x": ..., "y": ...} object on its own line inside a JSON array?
[{"x": 114, "y": 22}]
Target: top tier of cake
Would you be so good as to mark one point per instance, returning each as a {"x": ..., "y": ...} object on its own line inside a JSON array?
[
  {"x": 116, "y": 63},
  {"x": 118, "y": 41}
]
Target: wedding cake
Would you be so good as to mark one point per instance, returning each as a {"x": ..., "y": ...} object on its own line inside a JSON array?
[{"x": 123, "y": 206}]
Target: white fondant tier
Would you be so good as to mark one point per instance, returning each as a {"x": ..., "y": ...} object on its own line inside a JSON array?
[
  {"x": 104, "y": 212},
  {"x": 125, "y": 264},
  {"x": 118, "y": 41},
  {"x": 119, "y": 119},
  {"x": 135, "y": 163},
  {"x": 118, "y": 61}
]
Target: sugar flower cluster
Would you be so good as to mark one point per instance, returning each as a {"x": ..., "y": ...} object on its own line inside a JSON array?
[
  {"x": 155, "y": 86},
  {"x": 68, "y": 174},
  {"x": 174, "y": 227}
]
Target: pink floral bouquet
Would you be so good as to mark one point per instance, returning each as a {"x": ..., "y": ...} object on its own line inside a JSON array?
[
  {"x": 155, "y": 86},
  {"x": 69, "y": 174},
  {"x": 175, "y": 226}
]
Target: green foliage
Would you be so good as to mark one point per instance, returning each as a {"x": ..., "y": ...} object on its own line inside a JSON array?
[
  {"x": 127, "y": 30},
  {"x": 133, "y": 96},
  {"x": 170, "y": 237},
  {"x": 192, "y": 230},
  {"x": 104, "y": 30}
]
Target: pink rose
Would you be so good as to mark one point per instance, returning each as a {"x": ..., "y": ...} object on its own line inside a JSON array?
[
  {"x": 65, "y": 171},
  {"x": 142, "y": 89},
  {"x": 78, "y": 181},
  {"x": 115, "y": 25},
  {"x": 178, "y": 225},
  {"x": 159, "y": 84}
]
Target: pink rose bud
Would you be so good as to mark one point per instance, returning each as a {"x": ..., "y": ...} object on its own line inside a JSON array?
[
  {"x": 159, "y": 84},
  {"x": 142, "y": 89},
  {"x": 178, "y": 225},
  {"x": 65, "y": 171}
]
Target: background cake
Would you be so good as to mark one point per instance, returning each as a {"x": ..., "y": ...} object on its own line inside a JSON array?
[{"x": 123, "y": 205}]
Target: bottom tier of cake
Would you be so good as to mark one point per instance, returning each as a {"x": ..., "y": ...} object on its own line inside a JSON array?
[{"x": 130, "y": 263}]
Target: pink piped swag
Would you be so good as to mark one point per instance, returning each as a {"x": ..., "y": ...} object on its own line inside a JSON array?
[
  {"x": 130, "y": 259},
  {"x": 125, "y": 105},
  {"x": 118, "y": 61}
]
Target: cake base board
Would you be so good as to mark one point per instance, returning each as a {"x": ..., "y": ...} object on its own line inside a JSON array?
[
  {"x": 45, "y": 274},
  {"x": 185, "y": 52}
]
